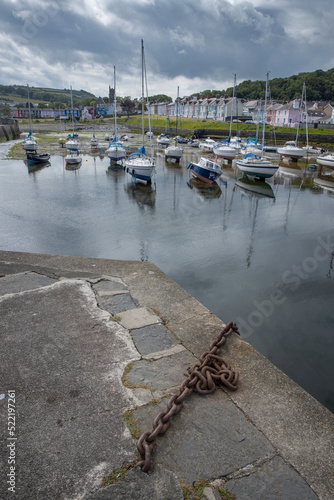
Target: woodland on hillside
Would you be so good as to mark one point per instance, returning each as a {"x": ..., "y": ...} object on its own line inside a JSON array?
[{"x": 319, "y": 85}]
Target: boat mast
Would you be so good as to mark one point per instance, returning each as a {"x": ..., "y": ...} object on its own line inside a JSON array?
[
  {"x": 142, "y": 87},
  {"x": 304, "y": 94},
  {"x": 115, "y": 106},
  {"x": 72, "y": 111},
  {"x": 148, "y": 103},
  {"x": 264, "y": 114},
  {"x": 233, "y": 96},
  {"x": 30, "y": 121},
  {"x": 177, "y": 105}
]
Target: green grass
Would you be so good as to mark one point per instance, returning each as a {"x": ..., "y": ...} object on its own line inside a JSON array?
[
  {"x": 116, "y": 476},
  {"x": 194, "y": 124}
]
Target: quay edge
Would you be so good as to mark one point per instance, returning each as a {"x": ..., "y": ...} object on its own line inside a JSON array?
[{"x": 297, "y": 428}]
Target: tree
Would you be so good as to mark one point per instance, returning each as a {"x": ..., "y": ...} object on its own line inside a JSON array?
[
  {"x": 128, "y": 105},
  {"x": 5, "y": 111}
]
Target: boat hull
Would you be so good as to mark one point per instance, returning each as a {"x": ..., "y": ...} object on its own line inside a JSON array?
[
  {"x": 116, "y": 153},
  {"x": 326, "y": 161},
  {"x": 294, "y": 153},
  {"x": 264, "y": 170},
  {"x": 37, "y": 159},
  {"x": 225, "y": 152},
  {"x": 174, "y": 153},
  {"x": 140, "y": 167},
  {"x": 203, "y": 173},
  {"x": 30, "y": 146}
]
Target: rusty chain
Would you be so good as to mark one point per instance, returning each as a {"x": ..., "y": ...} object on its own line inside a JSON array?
[{"x": 211, "y": 370}]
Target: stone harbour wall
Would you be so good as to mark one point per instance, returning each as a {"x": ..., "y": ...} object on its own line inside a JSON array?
[{"x": 9, "y": 129}]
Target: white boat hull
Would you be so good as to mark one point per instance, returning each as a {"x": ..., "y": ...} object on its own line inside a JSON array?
[
  {"x": 173, "y": 152},
  {"x": 116, "y": 153},
  {"x": 326, "y": 161},
  {"x": 225, "y": 152},
  {"x": 72, "y": 145},
  {"x": 30, "y": 145},
  {"x": 141, "y": 167},
  {"x": 291, "y": 152},
  {"x": 257, "y": 167}
]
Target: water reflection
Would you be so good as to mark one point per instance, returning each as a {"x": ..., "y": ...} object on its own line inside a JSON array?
[
  {"x": 143, "y": 194},
  {"x": 204, "y": 189},
  {"x": 32, "y": 169},
  {"x": 259, "y": 188}
]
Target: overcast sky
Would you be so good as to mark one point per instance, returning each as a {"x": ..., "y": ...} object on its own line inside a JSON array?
[{"x": 194, "y": 44}]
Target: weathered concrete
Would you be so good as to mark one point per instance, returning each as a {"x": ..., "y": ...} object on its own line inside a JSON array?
[
  {"x": 209, "y": 438},
  {"x": 160, "y": 485},
  {"x": 272, "y": 480},
  {"x": 76, "y": 368}
]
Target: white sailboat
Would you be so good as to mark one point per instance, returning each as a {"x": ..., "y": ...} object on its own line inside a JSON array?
[
  {"x": 29, "y": 142},
  {"x": 253, "y": 164},
  {"x": 115, "y": 151},
  {"x": 72, "y": 144},
  {"x": 73, "y": 157},
  {"x": 227, "y": 149},
  {"x": 139, "y": 165},
  {"x": 62, "y": 139},
  {"x": 290, "y": 149},
  {"x": 174, "y": 152}
]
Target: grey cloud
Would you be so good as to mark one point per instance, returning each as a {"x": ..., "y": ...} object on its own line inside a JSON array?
[{"x": 205, "y": 40}]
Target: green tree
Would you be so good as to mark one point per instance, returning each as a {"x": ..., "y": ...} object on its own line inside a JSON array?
[
  {"x": 5, "y": 111},
  {"x": 128, "y": 105}
]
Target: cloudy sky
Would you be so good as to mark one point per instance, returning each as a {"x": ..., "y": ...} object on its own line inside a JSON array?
[{"x": 191, "y": 44}]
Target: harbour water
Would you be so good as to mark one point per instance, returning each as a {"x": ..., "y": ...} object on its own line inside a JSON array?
[{"x": 260, "y": 254}]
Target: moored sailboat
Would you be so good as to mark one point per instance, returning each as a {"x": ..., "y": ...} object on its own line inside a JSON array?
[
  {"x": 174, "y": 151},
  {"x": 255, "y": 165},
  {"x": 115, "y": 151},
  {"x": 29, "y": 142},
  {"x": 139, "y": 165}
]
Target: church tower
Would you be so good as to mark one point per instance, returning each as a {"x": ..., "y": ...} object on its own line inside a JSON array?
[{"x": 111, "y": 94}]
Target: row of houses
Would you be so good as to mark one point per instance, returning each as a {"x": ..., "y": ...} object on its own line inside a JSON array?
[
  {"x": 225, "y": 109},
  {"x": 220, "y": 109}
]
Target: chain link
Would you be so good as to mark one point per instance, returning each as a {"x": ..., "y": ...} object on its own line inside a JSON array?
[{"x": 210, "y": 371}]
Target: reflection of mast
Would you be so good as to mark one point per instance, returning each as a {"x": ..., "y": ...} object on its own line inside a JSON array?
[
  {"x": 329, "y": 274},
  {"x": 251, "y": 243},
  {"x": 144, "y": 251},
  {"x": 285, "y": 225},
  {"x": 227, "y": 215}
]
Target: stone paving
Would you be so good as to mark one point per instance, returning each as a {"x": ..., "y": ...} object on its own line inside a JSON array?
[{"x": 93, "y": 360}]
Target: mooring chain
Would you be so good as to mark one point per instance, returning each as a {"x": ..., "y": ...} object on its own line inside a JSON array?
[{"x": 211, "y": 370}]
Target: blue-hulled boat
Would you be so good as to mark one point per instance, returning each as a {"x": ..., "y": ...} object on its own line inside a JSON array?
[
  {"x": 207, "y": 170},
  {"x": 36, "y": 159}
]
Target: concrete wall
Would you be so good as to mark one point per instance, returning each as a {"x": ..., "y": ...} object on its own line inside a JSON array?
[{"x": 9, "y": 129}]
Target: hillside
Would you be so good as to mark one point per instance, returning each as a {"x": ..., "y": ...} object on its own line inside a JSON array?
[
  {"x": 46, "y": 95},
  {"x": 319, "y": 87}
]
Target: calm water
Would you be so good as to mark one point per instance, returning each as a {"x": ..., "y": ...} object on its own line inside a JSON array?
[{"x": 264, "y": 260}]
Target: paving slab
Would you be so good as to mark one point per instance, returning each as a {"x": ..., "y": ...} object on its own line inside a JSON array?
[
  {"x": 137, "y": 318},
  {"x": 209, "y": 438},
  {"x": 153, "y": 338},
  {"x": 20, "y": 282},
  {"x": 163, "y": 373},
  {"x": 117, "y": 303},
  {"x": 109, "y": 286},
  {"x": 273, "y": 480}
]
